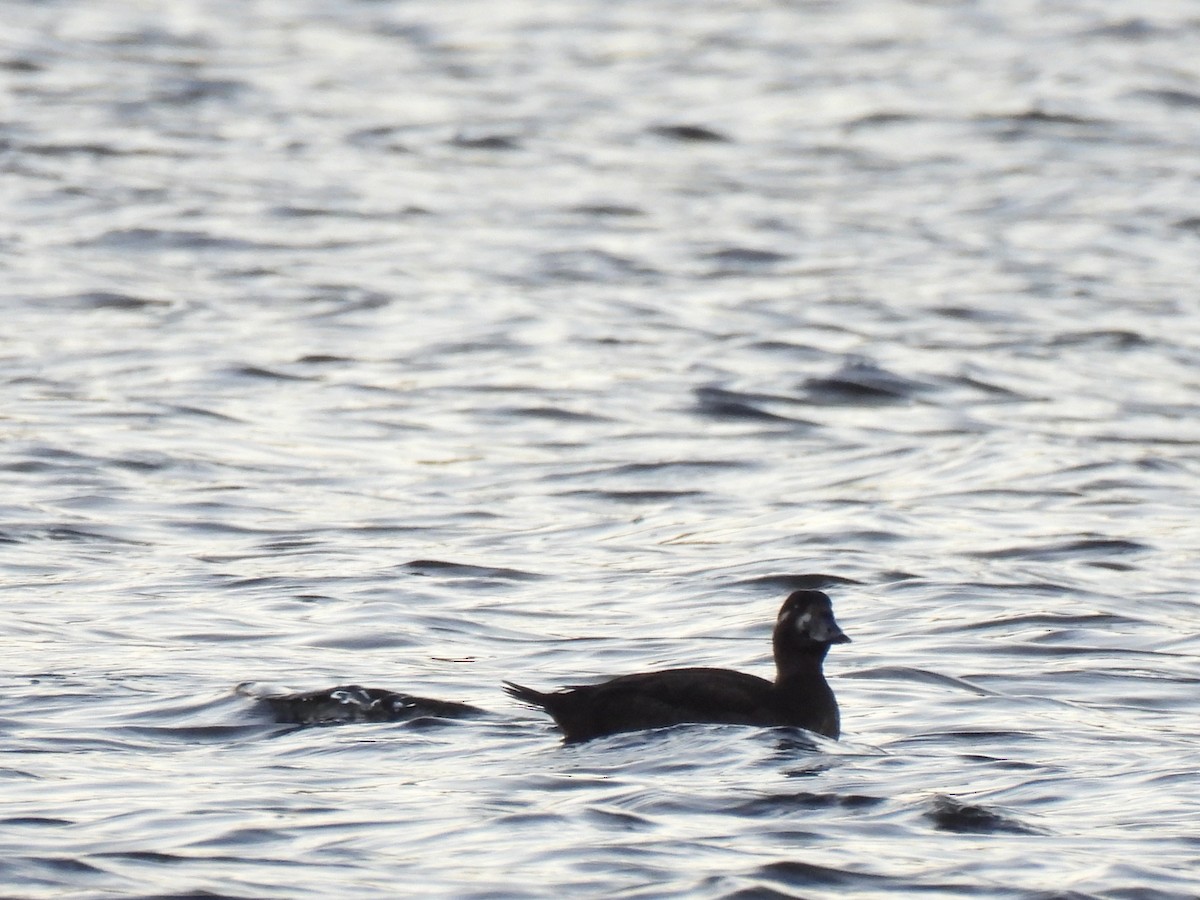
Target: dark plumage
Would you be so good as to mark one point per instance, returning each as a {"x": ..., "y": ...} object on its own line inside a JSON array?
[
  {"x": 799, "y": 696},
  {"x": 351, "y": 703}
]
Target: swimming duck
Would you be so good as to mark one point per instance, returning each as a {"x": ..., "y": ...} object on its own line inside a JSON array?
[
  {"x": 799, "y": 696},
  {"x": 351, "y": 703}
]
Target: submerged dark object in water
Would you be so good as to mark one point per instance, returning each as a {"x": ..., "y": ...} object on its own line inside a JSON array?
[
  {"x": 951, "y": 814},
  {"x": 351, "y": 703},
  {"x": 799, "y": 696}
]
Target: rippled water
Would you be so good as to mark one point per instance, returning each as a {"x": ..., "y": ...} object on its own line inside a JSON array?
[{"x": 424, "y": 345}]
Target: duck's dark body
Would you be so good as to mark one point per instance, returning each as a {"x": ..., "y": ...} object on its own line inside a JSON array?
[
  {"x": 799, "y": 697},
  {"x": 680, "y": 696},
  {"x": 351, "y": 703}
]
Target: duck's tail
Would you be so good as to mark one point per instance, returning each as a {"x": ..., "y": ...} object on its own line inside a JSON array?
[{"x": 525, "y": 695}]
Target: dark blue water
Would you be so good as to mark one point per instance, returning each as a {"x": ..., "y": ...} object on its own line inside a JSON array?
[{"x": 427, "y": 345}]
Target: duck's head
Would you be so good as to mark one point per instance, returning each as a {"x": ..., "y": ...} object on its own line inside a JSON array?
[{"x": 806, "y": 625}]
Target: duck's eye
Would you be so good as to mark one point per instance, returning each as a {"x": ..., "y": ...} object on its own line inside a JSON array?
[{"x": 802, "y": 622}]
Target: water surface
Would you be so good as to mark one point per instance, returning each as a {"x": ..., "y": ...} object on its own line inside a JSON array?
[{"x": 426, "y": 345}]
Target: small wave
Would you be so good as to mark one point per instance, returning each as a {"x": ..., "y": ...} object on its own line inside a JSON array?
[
  {"x": 36, "y": 821},
  {"x": 721, "y": 403},
  {"x": 1116, "y": 338},
  {"x": 1082, "y": 548},
  {"x": 860, "y": 384},
  {"x": 111, "y": 300},
  {"x": 633, "y": 496},
  {"x": 1173, "y": 98},
  {"x": 467, "y": 570},
  {"x": 1043, "y": 620},
  {"x": 485, "y": 141},
  {"x": 787, "y": 804},
  {"x": 815, "y": 581},
  {"x": 690, "y": 134},
  {"x": 188, "y": 91},
  {"x": 746, "y": 256},
  {"x": 202, "y": 413},
  {"x": 924, "y": 676},
  {"x": 266, "y": 374},
  {"x": 551, "y": 413},
  {"x": 1039, "y": 123},
  {"x": 591, "y": 266},
  {"x": 159, "y": 239},
  {"x": 879, "y": 120},
  {"x": 654, "y": 468},
  {"x": 86, "y": 535},
  {"x": 793, "y": 873},
  {"x": 614, "y": 210},
  {"x": 88, "y": 149}
]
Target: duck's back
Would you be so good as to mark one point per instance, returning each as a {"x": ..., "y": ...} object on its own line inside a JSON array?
[
  {"x": 352, "y": 703},
  {"x": 671, "y": 697}
]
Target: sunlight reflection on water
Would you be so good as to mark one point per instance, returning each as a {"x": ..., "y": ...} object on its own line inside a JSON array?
[{"x": 422, "y": 347}]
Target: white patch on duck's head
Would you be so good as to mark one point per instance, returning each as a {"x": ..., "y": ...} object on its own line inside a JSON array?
[{"x": 802, "y": 622}]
